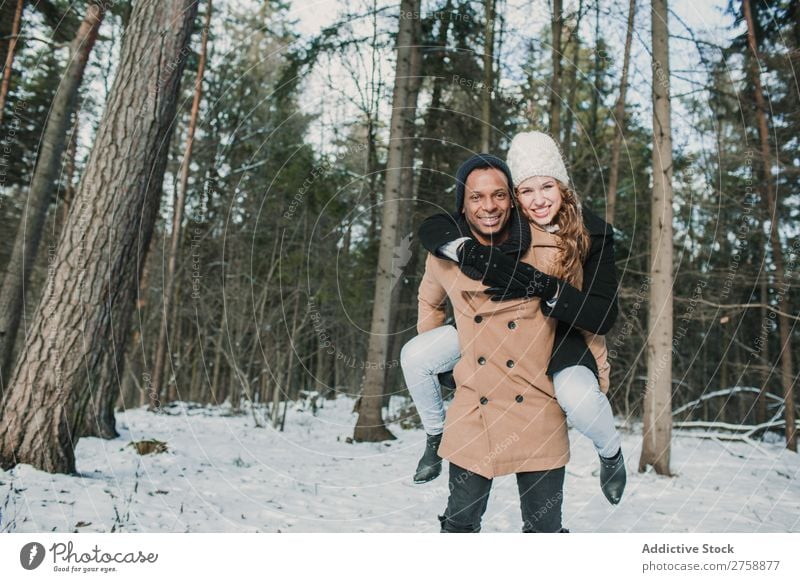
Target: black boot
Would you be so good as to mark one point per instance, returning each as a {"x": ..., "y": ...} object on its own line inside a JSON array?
[
  {"x": 430, "y": 465},
  {"x": 612, "y": 477}
]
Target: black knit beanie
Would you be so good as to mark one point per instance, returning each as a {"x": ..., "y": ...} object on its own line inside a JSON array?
[{"x": 478, "y": 162}]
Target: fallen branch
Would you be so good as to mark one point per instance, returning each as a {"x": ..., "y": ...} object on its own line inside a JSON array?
[{"x": 725, "y": 392}]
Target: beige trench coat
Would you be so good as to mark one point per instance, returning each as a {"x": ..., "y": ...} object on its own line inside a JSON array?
[{"x": 504, "y": 417}]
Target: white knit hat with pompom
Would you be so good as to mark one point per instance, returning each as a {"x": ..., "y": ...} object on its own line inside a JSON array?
[{"x": 533, "y": 153}]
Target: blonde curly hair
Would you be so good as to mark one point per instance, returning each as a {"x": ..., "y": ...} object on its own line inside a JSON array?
[{"x": 573, "y": 238}]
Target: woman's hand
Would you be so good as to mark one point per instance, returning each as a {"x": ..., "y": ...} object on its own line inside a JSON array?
[{"x": 508, "y": 278}]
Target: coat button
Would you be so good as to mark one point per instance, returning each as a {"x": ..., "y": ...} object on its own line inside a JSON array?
[
  {"x": 481, "y": 360},
  {"x": 512, "y": 325},
  {"x": 484, "y": 400},
  {"x": 510, "y": 363},
  {"x": 519, "y": 398},
  {"x": 478, "y": 319}
]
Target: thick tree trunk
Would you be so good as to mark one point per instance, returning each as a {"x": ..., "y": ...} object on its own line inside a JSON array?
[
  {"x": 370, "y": 426},
  {"x": 8, "y": 61},
  {"x": 54, "y": 143},
  {"x": 784, "y": 325},
  {"x": 177, "y": 220},
  {"x": 405, "y": 222},
  {"x": 619, "y": 119},
  {"x": 74, "y": 351},
  {"x": 488, "y": 76},
  {"x": 555, "y": 84},
  {"x": 658, "y": 395}
]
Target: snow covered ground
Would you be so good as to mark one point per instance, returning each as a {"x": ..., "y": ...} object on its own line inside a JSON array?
[{"x": 223, "y": 474}]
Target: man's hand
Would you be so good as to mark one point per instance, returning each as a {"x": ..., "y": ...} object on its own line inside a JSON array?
[{"x": 509, "y": 279}]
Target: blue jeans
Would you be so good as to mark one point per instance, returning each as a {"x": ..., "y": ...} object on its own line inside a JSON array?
[
  {"x": 422, "y": 358},
  {"x": 577, "y": 390}
]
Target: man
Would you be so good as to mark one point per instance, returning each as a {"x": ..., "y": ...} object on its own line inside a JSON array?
[{"x": 504, "y": 417}]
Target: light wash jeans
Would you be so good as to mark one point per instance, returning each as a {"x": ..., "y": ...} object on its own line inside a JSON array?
[{"x": 577, "y": 390}]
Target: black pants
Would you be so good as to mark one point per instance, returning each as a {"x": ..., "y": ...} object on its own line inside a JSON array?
[{"x": 540, "y": 497}]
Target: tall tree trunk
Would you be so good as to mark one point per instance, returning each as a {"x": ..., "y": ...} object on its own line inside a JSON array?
[
  {"x": 432, "y": 124},
  {"x": 572, "y": 82},
  {"x": 370, "y": 426},
  {"x": 371, "y": 172},
  {"x": 173, "y": 345},
  {"x": 195, "y": 388},
  {"x": 216, "y": 398},
  {"x": 74, "y": 352},
  {"x": 9, "y": 57},
  {"x": 54, "y": 142},
  {"x": 177, "y": 221},
  {"x": 593, "y": 118},
  {"x": 488, "y": 76},
  {"x": 69, "y": 170},
  {"x": 784, "y": 325},
  {"x": 322, "y": 370},
  {"x": 405, "y": 223},
  {"x": 278, "y": 379},
  {"x": 284, "y": 382},
  {"x": 134, "y": 394},
  {"x": 7, "y": 12},
  {"x": 619, "y": 119},
  {"x": 555, "y": 84},
  {"x": 724, "y": 363},
  {"x": 761, "y": 408},
  {"x": 658, "y": 394},
  {"x": 373, "y": 110}
]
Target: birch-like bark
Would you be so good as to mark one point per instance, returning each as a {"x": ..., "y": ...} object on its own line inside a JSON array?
[{"x": 658, "y": 393}]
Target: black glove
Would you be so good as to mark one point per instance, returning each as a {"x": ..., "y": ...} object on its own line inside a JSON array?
[
  {"x": 508, "y": 278},
  {"x": 474, "y": 258}
]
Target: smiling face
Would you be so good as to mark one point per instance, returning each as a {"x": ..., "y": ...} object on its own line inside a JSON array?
[
  {"x": 540, "y": 198},
  {"x": 487, "y": 205}
]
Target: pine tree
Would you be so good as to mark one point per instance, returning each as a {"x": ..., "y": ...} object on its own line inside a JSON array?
[{"x": 73, "y": 353}]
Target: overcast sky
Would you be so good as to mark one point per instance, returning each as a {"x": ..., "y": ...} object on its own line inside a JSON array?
[{"x": 524, "y": 18}]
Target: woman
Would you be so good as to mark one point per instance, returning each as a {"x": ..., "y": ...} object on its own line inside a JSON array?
[{"x": 580, "y": 294}]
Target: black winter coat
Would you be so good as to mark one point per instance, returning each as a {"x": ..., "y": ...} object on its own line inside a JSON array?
[{"x": 593, "y": 308}]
